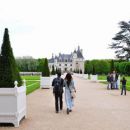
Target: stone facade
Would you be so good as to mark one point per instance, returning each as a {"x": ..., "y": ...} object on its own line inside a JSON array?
[{"x": 68, "y": 62}]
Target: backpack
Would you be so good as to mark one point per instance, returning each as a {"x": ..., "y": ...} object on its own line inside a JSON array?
[{"x": 58, "y": 86}]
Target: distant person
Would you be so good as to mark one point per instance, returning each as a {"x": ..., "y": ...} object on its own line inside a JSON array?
[
  {"x": 109, "y": 81},
  {"x": 123, "y": 81},
  {"x": 69, "y": 88},
  {"x": 115, "y": 79},
  {"x": 57, "y": 84}
]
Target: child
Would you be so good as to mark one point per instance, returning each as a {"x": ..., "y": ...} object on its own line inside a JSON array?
[{"x": 123, "y": 85}]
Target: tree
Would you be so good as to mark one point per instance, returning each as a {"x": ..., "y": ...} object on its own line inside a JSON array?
[
  {"x": 122, "y": 67},
  {"x": 40, "y": 67},
  {"x": 122, "y": 41},
  {"x": 56, "y": 70},
  {"x": 45, "y": 71},
  {"x": 127, "y": 68},
  {"x": 8, "y": 68},
  {"x": 53, "y": 72},
  {"x": 112, "y": 66},
  {"x": 80, "y": 71},
  {"x": 88, "y": 67},
  {"x": 93, "y": 72},
  {"x": 27, "y": 64}
]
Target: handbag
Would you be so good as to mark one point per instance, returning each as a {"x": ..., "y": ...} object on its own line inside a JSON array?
[{"x": 73, "y": 94}]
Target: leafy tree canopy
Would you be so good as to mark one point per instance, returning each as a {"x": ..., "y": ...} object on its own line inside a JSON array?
[{"x": 121, "y": 41}]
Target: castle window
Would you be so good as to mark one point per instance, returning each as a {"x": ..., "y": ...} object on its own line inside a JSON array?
[
  {"x": 59, "y": 64},
  {"x": 70, "y": 64},
  {"x": 66, "y": 60},
  {"x": 65, "y": 64}
]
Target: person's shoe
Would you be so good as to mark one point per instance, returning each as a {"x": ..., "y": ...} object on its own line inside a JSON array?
[
  {"x": 67, "y": 110},
  {"x": 70, "y": 110},
  {"x": 57, "y": 111}
]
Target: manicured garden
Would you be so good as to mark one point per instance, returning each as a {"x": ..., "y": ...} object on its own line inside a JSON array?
[{"x": 32, "y": 83}]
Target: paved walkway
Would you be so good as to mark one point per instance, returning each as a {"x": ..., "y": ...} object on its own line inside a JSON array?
[{"x": 95, "y": 109}]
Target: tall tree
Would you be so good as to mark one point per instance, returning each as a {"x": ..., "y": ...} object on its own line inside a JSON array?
[
  {"x": 53, "y": 72},
  {"x": 8, "y": 68},
  {"x": 46, "y": 71},
  {"x": 121, "y": 41},
  {"x": 93, "y": 72},
  {"x": 112, "y": 67}
]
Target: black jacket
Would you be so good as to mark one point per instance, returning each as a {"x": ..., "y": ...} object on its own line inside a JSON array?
[{"x": 61, "y": 85}]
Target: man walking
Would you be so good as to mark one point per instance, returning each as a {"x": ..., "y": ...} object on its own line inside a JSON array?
[
  {"x": 115, "y": 79},
  {"x": 57, "y": 84}
]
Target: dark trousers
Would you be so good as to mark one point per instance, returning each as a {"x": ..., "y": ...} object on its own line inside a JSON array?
[
  {"x": 123, "y": 88},
  {"x": 58, "y": 101},
  {"x": 111, "y": 85}
]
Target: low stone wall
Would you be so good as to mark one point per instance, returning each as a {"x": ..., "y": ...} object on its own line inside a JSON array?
[{"x": 30, "y": 73}]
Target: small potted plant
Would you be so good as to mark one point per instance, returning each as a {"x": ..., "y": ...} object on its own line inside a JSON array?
[
  {"x": 12, "y": 93},
  {"x": 94, "y": 76},
  {"x": 85, "y": 76},
  {"x": 45, "y": 80},
  {"x": 53, "y": 73}
]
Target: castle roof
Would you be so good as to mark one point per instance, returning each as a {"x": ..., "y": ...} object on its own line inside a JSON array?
[
  {"x": 68, "y": 57},
  {"x": 79, "y": 54}
]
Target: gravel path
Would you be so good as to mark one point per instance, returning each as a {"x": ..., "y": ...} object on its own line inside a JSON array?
[{"x": 95, "y": 109}]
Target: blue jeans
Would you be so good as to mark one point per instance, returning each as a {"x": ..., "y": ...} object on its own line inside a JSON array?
[
  {"x": 115, "y": 85},
  {"x": 123, "y": 89}
]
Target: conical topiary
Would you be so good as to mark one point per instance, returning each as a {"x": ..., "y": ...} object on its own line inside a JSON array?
[
  {"x": 53, "y": 72},
  {"x": 46, "y": 71},
  {"x": 8, "y": 68}
]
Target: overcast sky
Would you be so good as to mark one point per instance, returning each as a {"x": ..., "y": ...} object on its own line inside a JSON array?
[{"x": 39, "y": 28}]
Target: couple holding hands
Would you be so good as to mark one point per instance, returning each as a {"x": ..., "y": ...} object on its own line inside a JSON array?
[{"x": 58, "y": 83}]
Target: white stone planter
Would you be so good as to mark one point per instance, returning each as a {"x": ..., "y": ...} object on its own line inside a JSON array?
[
  {"x": 85, "y": 76},
  {"x": 94, "y": 78},
  {"x": 45, "y": 82},
  {"x": 118, "y": 81},
  {"x": 52, "y": 77},
  {"x": 12, "y": 105},
  {"x": 80, "y": 75}
]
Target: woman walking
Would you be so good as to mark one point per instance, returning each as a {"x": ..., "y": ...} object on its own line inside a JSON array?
[{"x": 69, "y": 89}]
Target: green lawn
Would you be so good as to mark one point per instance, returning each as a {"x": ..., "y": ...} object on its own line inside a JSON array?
[
  {"x": 31, "y": 77},
  {"x": 103, "y": 77},
  {"x": 32, "y": 83}
]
